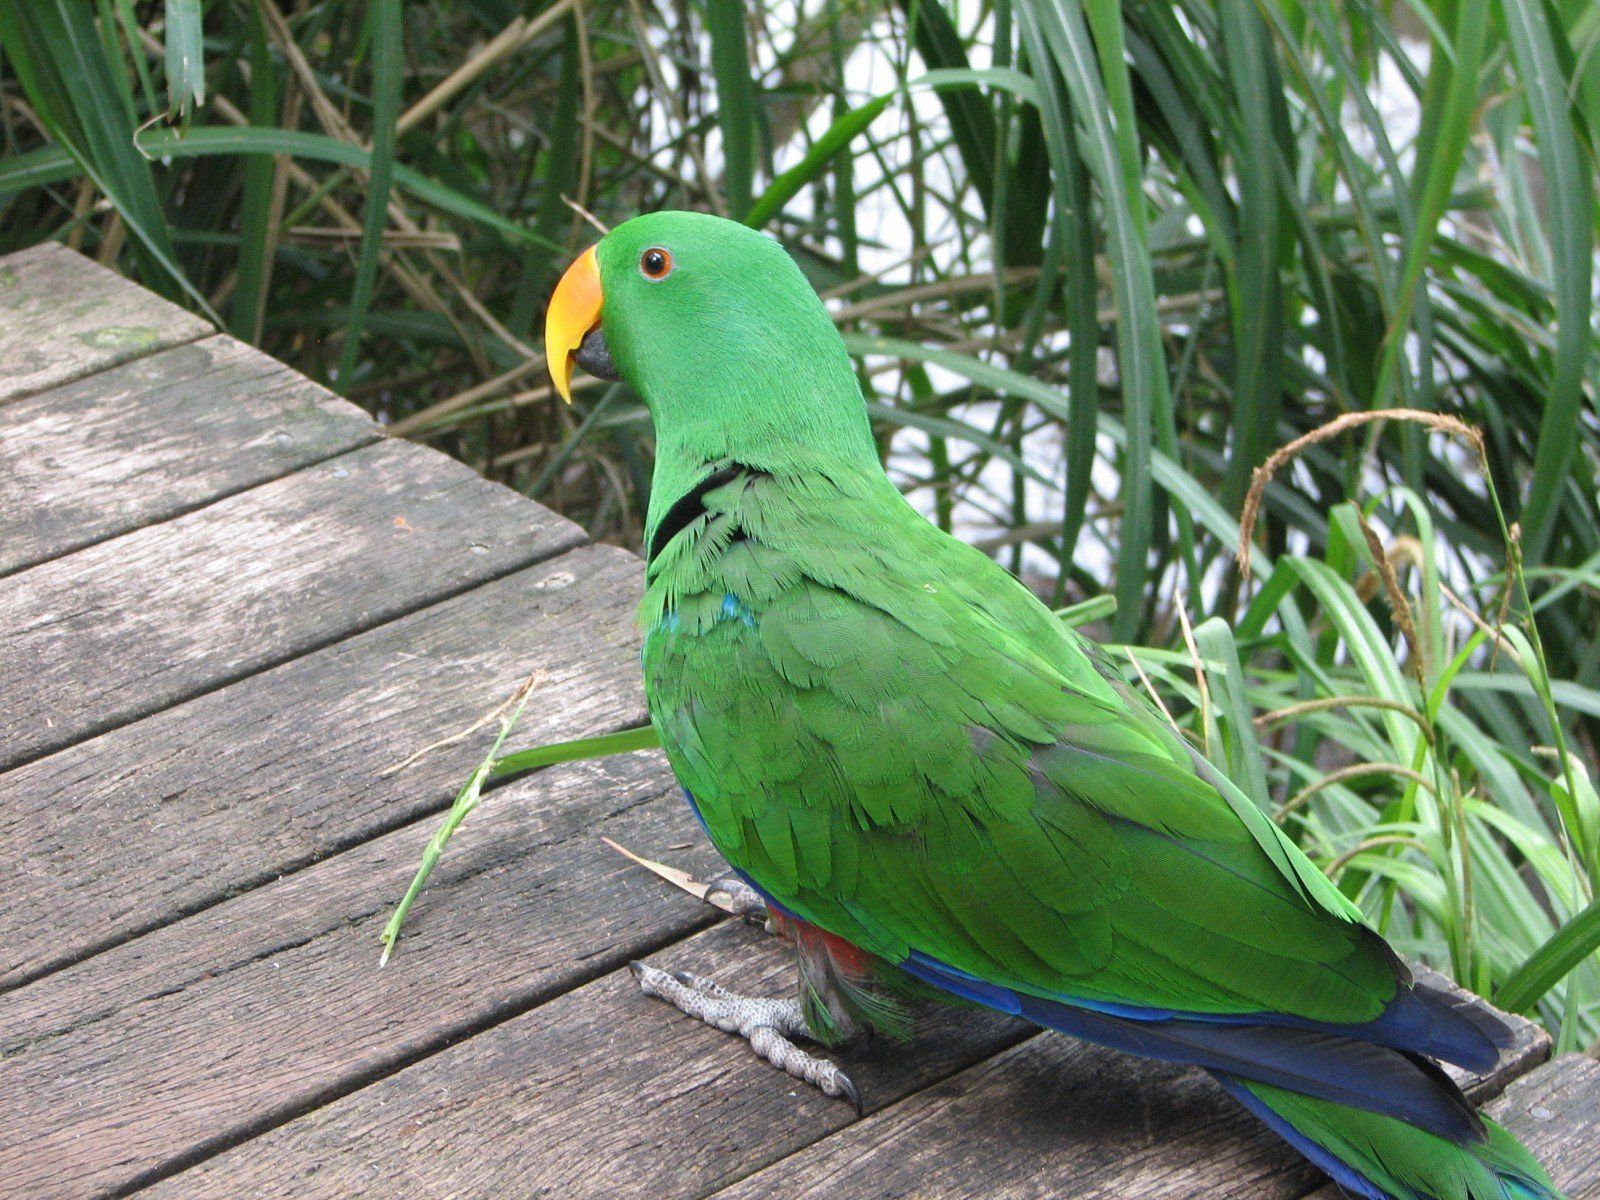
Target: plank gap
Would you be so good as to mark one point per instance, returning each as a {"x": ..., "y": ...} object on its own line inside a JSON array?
[
  {"x": 277, "y": 872},
  {"x": 167, "y": 613},
  {"x": 430, "y": 785},
  {"x": 203, "y": 1035},
  {"x": 606, "y": 962},
  {"x": 64, "y": 317},
  {"x": 154, "y": 439}
]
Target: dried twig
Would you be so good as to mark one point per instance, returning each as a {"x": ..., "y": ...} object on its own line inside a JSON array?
[
  {"x": 1353, "y": 771},
  {"x": 1199, "y": 677},
  {"x": 586, "y": 215},
  {"x": 515, "y": 700},
  {"x": 1150, "y": 688},
  {"x": 1322, "y": 704},
  {"x": 517, "y": 34}
]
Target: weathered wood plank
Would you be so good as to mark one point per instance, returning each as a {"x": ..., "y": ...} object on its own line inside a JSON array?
[
  {"x": 129, "y": 830},
  {"x": 260, "y": 1008},
  {"x": 600, "y": 1093},
  {"x": 1060, "y": 1118},
  {"x": 156, "y": 437},
  {"x": 1555, "y": 1110},
  {"x": 63, "y": 316},
  {"x": 138, "y": 623}
]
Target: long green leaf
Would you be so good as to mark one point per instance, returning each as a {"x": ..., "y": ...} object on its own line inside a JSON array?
[
  {"x": 838, "y": 135},
  {"x": 62, "y": 65},
  {"x": 972, "y": 122},
  {"x": 52, "y": 166},
  {"x": 1256, "y": 293},
  {"x": 385, "y": 19},
  {"x": 730, "y": 65},
  {"x": 1552, "y": 962},
  {"x": 185, "y": 59},
  {"x": 625, "y": 741},
  {"x": 1569, "y": 192},
  {"x": 1103, "y": 103}
]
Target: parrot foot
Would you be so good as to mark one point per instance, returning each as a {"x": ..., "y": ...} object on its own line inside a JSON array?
[
  {"x": 768, "y": 1025},
  {"x": 738, "y": 897}
]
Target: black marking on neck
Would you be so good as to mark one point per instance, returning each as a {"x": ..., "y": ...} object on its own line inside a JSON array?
[{"x": 689, "y": 507}]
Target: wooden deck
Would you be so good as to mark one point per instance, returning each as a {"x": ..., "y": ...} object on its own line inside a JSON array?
[{"x": 227, "y": 604}]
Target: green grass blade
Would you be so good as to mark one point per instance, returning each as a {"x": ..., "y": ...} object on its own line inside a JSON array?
[
  {"x": 1096, "y": 76},
  {"x": 1569, "y": 193},
  {"x": 255, "y": 209},
  {"x": 1552, "y": 962},
  {"x": 185, "y": 59},
  {"x": 1075, "y": 214},
  {"x": 385, "y": 17},
  {"x": 730, "y": 66},
  {"x": 561, "y": 169},
  {"x": 1096, "y": 608},
  {"x": 497, "y": 766},
  {"x": 625, "y": 741},
  {"x": 208, "y": 141},
  {"x": 58, "y": 57},
  {"x": 1219, "y": 654},
  {"x": 972, "y": 123},
  {"x": 1256, "y": 291},
  {"x": 1167, "y": 472},
  {"x": 838, "y": 135}
]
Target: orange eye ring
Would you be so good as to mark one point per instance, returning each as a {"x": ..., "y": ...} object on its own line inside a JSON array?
[{"x": 655, "y": 263}]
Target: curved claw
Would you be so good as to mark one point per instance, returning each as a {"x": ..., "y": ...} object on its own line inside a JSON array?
[{"x": 849, "y": 1091}]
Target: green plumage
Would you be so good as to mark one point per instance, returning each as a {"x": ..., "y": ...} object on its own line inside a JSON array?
[
  {"x": 893, "y": 738},
  {"x": 896, "y": 741}
]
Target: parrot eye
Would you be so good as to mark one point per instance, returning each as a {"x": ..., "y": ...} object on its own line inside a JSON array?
[{"x": 655, "y": 263}]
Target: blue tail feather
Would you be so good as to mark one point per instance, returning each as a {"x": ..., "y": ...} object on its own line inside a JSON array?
[{"x": 1318, "y": 1063}]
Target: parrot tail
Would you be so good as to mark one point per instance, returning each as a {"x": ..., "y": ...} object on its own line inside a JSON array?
[{"x": 1384, "y": 1158}]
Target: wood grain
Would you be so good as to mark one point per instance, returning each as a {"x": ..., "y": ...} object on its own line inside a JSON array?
[
  {"x": 132, "y": 829},
  {"x": 136, "y": 624},
  {"x": 1556, "y": 1112},
  {"x": 151, "y": 439},
  {"x": 250, "y": 1012},
  {"x": 63, "y": 316},
  {"x": 600, "y": 1093}
]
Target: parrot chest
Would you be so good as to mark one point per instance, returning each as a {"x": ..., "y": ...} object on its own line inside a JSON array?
[{"x": 700, "y": 689}]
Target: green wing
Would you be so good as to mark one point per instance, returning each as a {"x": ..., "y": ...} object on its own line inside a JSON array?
[{"x": 899, "y": 743}]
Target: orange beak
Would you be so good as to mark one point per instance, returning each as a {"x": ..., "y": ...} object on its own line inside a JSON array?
[{"x": 574, "y": 311}]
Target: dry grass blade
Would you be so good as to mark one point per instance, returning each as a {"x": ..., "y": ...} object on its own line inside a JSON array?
[
  {"x": 677, "y": 878},
  {"x": 513, "y": 702},
  {"x": 1398, "y": 604},
  {"x": 517, "y": 34},
  {"x": 1263, "y": 474}
]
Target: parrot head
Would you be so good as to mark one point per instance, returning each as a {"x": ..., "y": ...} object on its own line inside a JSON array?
[{"x": 716, "y": 329}]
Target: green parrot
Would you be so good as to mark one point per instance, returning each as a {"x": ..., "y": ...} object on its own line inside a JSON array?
[{"x": 934, "y": 787}]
